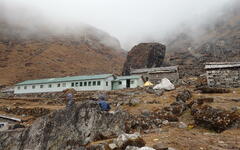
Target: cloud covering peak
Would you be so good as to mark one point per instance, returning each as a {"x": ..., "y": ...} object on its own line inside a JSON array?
[{"x": 131, "y": 21}]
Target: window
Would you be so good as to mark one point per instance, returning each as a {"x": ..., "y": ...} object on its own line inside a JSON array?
[
  {"x": 25, "y": 87},
  {"x": 49, "y": 85},
  {"x": 89, "y": 83},
  {"x": 64, "y": 85},
  {"x": 106, "y": 83},
  {"x": 18, "y": 87},
  {"x": 85, "y": 83},
  {"x": 80, "y": 84},
  {"x": 41, "y": 86},
  {"x": 76, "y": 84},
  {"x": 99, "y": 83},
  {"x": 94, "y": 83},
  {"x": 58, "y": 85},
  {"x": 33, "y": 87},
  {"x": 132, "y": 82},
  {"x": 120, "y": 82},
  {"x": 72, "y": 84}
]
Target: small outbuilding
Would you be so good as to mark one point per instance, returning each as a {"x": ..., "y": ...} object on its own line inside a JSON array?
[
  {"x": 123, "y": 82},
  {"x": 155, "y": 75},
  {"x": 223, "y": 74}
]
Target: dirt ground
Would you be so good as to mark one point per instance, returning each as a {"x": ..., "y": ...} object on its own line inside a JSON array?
[
  {"x": 194, "y": 139},
  {"x": 27, "y": 109},
  {"x": 183, "y": 139}
]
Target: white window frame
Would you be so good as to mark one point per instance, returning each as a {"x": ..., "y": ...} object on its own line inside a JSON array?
[{"x": 63, "y": 84}]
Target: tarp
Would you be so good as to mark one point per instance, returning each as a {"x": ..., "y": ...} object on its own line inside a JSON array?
[
  {"x": 164, "y": 84},
  {"x": 148, "y": 83}
]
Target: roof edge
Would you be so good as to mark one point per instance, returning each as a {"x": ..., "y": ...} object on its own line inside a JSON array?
[{"x": 22, "y": 83}]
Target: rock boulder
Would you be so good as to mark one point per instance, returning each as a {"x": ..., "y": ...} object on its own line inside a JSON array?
[
  {"x": 67, "y": 129},
  {"x": 144, "y": 55}
]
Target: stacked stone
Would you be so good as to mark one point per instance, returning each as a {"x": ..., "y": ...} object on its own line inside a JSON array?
[{"x": 224, "y": 78}]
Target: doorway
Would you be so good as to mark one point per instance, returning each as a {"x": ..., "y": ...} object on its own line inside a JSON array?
[{"x": 128, "y": 83}]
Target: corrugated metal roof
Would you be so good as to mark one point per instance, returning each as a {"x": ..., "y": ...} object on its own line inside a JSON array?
[
  {"x": 152, "y": 70},
  {"x": 127, "y": 77},
  {"x": 221, "y": 65},
  {"x": 65, "y": 79}
]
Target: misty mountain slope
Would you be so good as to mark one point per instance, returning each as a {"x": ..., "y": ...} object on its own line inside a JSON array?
[
  {"x": 219, "y": 42},
  {"x": 41, "y": 53}
]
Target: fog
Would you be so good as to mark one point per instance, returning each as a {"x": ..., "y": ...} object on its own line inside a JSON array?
[{"x": 130, "y": 21}]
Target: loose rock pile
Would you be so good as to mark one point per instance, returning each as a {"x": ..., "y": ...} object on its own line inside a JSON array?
[
  {"x": 215, "y": 119},
  {"x": 213, "y": 90},
  {"x": 36, "y": 112},
  {"x": 151, "y": 120}
]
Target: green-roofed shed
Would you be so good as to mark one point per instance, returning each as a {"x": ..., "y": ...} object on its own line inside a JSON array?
[{"x": 122, "y": 82}]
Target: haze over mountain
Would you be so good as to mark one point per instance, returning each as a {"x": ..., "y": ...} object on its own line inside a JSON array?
[
  {"x": 42, "y": 50},
  {"x": 131, "y": 22},
  {"x": 53, "y": 38},
  {"x": 219, "y": 41}
]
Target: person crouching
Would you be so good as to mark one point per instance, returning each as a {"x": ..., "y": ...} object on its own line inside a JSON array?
[{"x": 104, "y": 105}]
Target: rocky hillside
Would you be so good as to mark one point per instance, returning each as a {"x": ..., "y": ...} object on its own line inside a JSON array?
[
  {"x": 40, "y": 51},
  {"x": 178, "y": 119},
  {"x": 218, "y": 42}
]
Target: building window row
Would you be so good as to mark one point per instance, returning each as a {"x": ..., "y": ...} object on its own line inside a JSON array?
[
  {"x": 73, "y": 84},
  {"x": 89, "y": 83},
  {"x": 42, "y": 86}
]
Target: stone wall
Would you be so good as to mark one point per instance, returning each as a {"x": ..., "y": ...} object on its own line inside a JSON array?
[
  {"x": 224, "y": 78},
  {"x": 156, "y": 77}
]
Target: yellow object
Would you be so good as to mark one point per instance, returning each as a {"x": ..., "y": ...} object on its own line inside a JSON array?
[
  {"x": 190, "y": 126},
  {"x": 148, "y": 83}
]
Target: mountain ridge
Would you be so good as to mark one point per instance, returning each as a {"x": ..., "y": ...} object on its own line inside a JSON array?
[{"x": 43, "y": 53}]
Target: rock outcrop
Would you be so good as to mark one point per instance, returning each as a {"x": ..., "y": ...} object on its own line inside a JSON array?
[
  {"x": 144, "y": 55},
  {"x": 67, "y": 129}
]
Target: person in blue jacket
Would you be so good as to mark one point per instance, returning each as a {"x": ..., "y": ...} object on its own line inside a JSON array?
[
  {"x": 104, "y": 105},
  {"x": 70, "y": 101}
]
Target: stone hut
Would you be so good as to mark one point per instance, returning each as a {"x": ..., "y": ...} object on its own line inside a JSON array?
[
  {"x": 223, "y": 74},
  {"x": 155, "y": 75}
]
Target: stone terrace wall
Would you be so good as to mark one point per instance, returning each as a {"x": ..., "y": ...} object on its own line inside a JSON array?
[
  {"x": 224, "y": 78},
  {"x": 156, "y": 77}
]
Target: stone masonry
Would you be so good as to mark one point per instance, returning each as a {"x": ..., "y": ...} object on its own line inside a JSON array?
[{"x": 224, "y": 78}]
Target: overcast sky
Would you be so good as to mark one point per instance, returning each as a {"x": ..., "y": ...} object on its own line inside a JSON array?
[{"x": 131, "y": 21}]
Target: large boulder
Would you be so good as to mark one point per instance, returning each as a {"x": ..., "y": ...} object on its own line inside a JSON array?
[
  {"x": 125, "y": 140},
  {"x": 137, "y": 148},
  {"x": 144, "y": 55},
  {"x": 67, "y": 129}
]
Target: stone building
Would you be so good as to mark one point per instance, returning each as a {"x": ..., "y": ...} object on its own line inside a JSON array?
[
  {"x": 155, "y": 75},
  {"x": 223, "y": 74}
]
